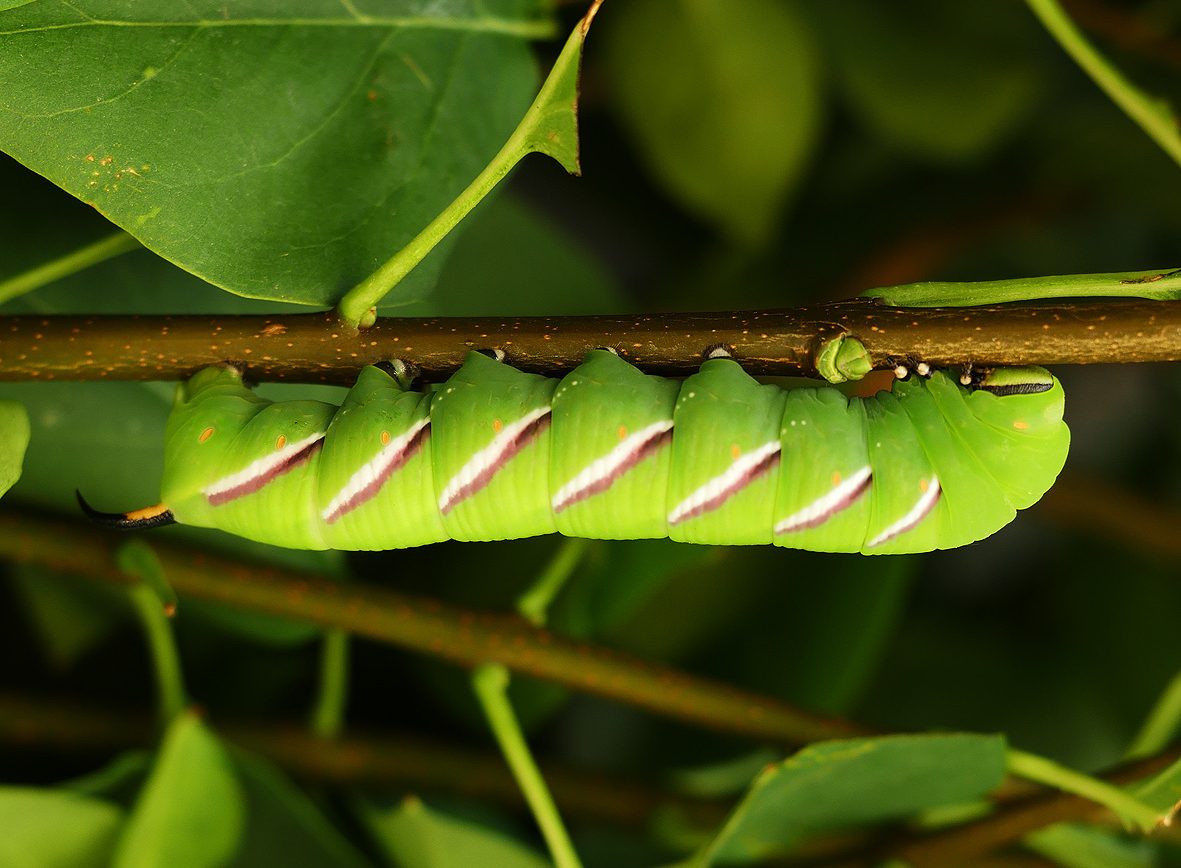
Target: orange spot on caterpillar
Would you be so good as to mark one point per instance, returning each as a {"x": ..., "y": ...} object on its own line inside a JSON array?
[
  {"x": 622, "y": 432},
  {"x": 385, "y": 438},
  {"x": 735, "y": 451},
  {"x": 1020, "y": 425},
  {"x": 206, "y": 434},
  {"x": 497, "y": 425},
  {"x": 280, "y": 442},
  {"x": 924, "y": 485},
  {"x": 836, "y": 478}
]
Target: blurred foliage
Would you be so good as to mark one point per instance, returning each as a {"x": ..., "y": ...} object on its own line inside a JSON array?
[{"x": 736, "y": 153}]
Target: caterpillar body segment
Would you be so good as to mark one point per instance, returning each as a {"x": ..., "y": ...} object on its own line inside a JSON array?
[
  {"x": 611, "y": 480},
  {"x": 610, "y": 452}
]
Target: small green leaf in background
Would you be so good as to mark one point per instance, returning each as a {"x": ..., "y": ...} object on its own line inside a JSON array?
[
  {"x": 45, "y": 828},
  {"x": 722, "y": 101},
  {"x": 852, "y": 782},
  {"x": 70, "y": 615},
  {"x": 945, "y": 81},
  {"x": 14, "y": 437},
  {"x": 416, "y": 836},
  {"x": 281, "y": 151},
  {"x": 286, "y": 827},
  {"x": 190, "y": 812},
  {"x": 1074, "y": 845}
]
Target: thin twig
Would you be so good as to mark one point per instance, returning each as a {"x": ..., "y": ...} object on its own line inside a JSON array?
[
  {"x": 357, "y": 759},
  {"x": 317, "y": 348},
  {"x": 463, "y": 637}
]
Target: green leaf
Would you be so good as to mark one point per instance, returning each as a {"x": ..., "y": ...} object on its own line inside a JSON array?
[
  {"x": 853, "y": 782},
  {"x": 191, "y": 811},
  {"x": 14, "y": 438},
  {"x": 416, "y": 836},
  {"x": 55, "y": 829},
  {"x": 280, "y": 151},
  {"x": 71, "y": 615},
  {"x": 286, "y": 827},
  {"x": 948, "y": 82},
  {"x": 722, "y": 101},
  {"x": 839, "y": 627},
  {"x": 1074, "y": 845}
]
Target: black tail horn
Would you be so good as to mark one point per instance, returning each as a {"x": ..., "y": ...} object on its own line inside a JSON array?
[{"x": 151, "y": 516}]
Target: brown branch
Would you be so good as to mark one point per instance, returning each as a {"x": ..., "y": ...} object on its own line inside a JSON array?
[
  {"x": 1113, "y": 513},
  {"x": 316, "y": 348},
  {"x": 463, "y": 637},
  {"x": 407, "y": 761}
]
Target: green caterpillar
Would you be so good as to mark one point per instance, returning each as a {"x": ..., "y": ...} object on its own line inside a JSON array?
[{"x": 612, "y": 453}]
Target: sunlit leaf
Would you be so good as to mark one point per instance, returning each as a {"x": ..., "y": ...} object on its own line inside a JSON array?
[
  {"x": 46, "y": 828},
  {"x": 191, "y": 810},
  {"x": 417, "y": 836}
]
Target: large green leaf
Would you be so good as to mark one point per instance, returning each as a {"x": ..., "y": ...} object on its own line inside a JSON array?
[
  {"x": 191, "y": 810},
  {"x": 852, "y": 782},
  {"x": 55, "y": 829},
  {"x": 279, "y": 150},
  {"x": 722, "y": 101}
]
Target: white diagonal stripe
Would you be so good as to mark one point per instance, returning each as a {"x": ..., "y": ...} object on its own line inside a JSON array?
[
  {"x": 487, "y": 457},
  {"x": 725, "y": 480},
  {"x": 825, "y": 506},
  {"x": 374, "y": 469},
  {"x": 259, "y": 467},
  {"x": 916, "y": 514},
  {"x": 605, "y": 466}
]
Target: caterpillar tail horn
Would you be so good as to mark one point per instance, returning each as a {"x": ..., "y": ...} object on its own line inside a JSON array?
[{"x": 149, "y": 516}]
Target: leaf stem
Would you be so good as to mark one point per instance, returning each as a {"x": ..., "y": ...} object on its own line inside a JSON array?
[
  {"x": 1151, "y": 113},
  {"x": 328, "y": 712},
  {"x": 1162, "y": 723},
  {"x": 535, "y": 602},
  {"x": 64, "y": 266},
  {"x": 170, "y": 689},
  {"x": 549, "y": 127},
  {"x": 490, "y": 683},
  {"x": 1045, "y": 771}
]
